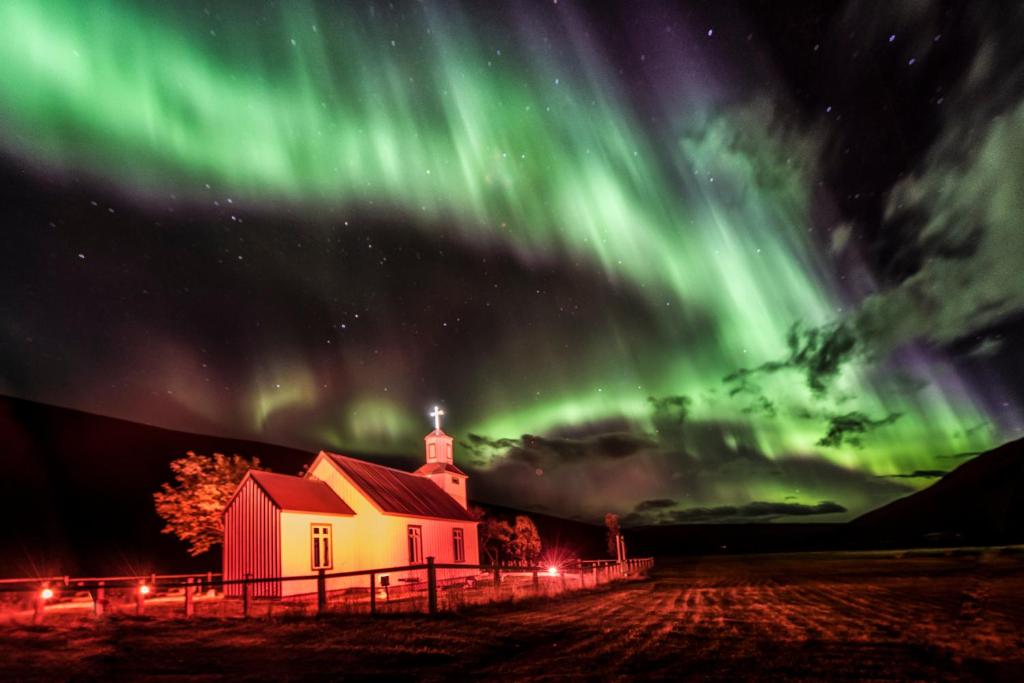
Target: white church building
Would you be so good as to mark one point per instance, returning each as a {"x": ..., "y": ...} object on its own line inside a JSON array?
[{"x": 348, "y": 515}]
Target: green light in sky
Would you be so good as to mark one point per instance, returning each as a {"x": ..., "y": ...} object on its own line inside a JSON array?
[{"x": 540, "y": 152}]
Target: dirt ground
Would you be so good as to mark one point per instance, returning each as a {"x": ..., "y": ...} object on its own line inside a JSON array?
[{"x": 834, "y": 616}]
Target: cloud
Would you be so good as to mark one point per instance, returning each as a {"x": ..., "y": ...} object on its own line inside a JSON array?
[
  {"x": 960, "y": 456},
  {"x": 643, "y": 477},
  {"x": 668, "y": 415},
  {"x": 654, "y": 504},
  {"x": 849, "y": 427},
  {"x": 962, "y": 210},
  {"x": 916, "y": 474},
  {"x": 761, "y": 405},
  {"x": 818, "y": 352},
  {"x": 757, "y": 511},
  {"x": 549, "y": 452}
]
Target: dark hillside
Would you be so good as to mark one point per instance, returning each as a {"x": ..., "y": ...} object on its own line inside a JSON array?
[{"x": 980, "y": 502}]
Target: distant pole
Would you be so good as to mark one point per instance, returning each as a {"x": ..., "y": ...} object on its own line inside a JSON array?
[
  {"x": 37, "y": 616},
  {"x": 373, "y": 594},
  {"x": 321, "y": 592},
  {"x": 246, "y": 597},
  {"x": 189, "y": 608},
  {"x": 99, "y": 598},
  {"x": 536, "y": 580},
  {"x": 140, "y": 600},
  {"x": 431, "y": 586}
]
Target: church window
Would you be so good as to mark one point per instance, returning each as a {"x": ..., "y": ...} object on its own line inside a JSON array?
[
  {"x": 459, "y": 543},
  {"x": 415, "y": 544},
  {"x": 455, "y": 480},
  {"x": 321, "y": 537}
]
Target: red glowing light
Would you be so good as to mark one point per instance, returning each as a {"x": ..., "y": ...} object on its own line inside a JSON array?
[
  {"x": 46, "y": 593},
  {"x": 553, "y": 570},
  {"x": 144, "y": 589}
]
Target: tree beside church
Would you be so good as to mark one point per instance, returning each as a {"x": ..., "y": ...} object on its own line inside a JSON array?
[{"x": 191, "y": 507}]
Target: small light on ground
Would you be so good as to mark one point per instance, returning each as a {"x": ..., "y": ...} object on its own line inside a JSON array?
[
  {"x": 553, "y": 570},
  {"x": 144, "y": 589},
  {"x": 46, "y": 593}
]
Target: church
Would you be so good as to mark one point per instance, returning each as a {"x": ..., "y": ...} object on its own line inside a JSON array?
[{"x": 348, "y": 515}]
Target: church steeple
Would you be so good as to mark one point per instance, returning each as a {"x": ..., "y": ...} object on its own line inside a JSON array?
[
  {"x": 438, "y": 444},
  {"x": 440, "y": 466}
]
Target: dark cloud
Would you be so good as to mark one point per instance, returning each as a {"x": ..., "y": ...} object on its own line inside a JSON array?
[
  {"x": 960, "y": 456},
  {"x": 922, "y": 474},
  {"x": 849, "y": 427},
  {"x": 952, "y": 255},
  {"x": 668, "y": 415},
  {"x": 689, "y": 463},
  {"x": 654, "y": 504},
  {"x": 818, "y": 352},
  {"x": 475, "y": 442},
  {"x": 761, "y": 405},
  {"x": 547, "y": 452},
  {"x": 757, "y": 511}
]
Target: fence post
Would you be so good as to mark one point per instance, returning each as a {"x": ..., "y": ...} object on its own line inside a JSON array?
[
  {"x": 373, "y": 594},
  {"x": 189, "y": 609},
  {"x": 140, "y": 600},
  {"x": 321, "y": 592},
  {"x": 536, "y": 581},
  {"x": 497, "y": 576},
  {"x": 431, "y": 586},
  {"x": 99, "y": 598},
  {"x": 246, "y": 597}
]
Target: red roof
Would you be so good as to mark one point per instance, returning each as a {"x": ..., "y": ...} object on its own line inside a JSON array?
[
  {"x": 435, "y": 467},
  {"x": 300, "y": 495},
  {"x": 400, "y": 492}
]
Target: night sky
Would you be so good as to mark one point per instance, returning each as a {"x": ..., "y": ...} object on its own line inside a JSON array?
[{"x": 694, "y": 262}]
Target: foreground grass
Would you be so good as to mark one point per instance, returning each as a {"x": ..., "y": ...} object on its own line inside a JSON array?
[{"x": 786, "y": 616}]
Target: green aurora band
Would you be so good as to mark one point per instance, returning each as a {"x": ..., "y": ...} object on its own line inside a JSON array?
[{"x": 708, "y": 220}]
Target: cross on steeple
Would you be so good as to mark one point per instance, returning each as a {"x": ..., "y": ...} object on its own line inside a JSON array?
[{"x": 436, "y": 414}]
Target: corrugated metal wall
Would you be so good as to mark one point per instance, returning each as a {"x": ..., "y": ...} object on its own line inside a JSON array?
[{"x": 252, "y": 541}]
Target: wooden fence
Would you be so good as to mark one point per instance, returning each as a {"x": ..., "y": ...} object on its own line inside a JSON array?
[{"x": 177, "y": 594}]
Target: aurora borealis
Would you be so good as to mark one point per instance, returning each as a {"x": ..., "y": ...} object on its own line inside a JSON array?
[{"x": 650, "y": 262}]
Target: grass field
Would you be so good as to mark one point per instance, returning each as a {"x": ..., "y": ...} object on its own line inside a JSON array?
[{"x": 783, "y": 616}]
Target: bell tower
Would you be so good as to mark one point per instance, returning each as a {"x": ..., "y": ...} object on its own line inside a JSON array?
[
  {"x": 440, "y": 465},
  {"x": 439, "y": 444}
]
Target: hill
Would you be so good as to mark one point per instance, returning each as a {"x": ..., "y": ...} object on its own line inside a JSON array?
[
  {"x": 77, "y": 489},
  {"x": 978, "y": 503}
]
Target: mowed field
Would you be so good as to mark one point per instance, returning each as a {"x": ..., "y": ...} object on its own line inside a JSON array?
[{"x": 725, "y": 618}]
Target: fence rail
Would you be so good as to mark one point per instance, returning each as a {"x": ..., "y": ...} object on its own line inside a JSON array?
[{"x": 420, "y": 595}]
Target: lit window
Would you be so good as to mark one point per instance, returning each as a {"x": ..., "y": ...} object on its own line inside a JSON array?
[
  {"x": 415, "y": 544},
  {"x": 459, "y": 543},
  {"x": 321, "y": 537}
]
